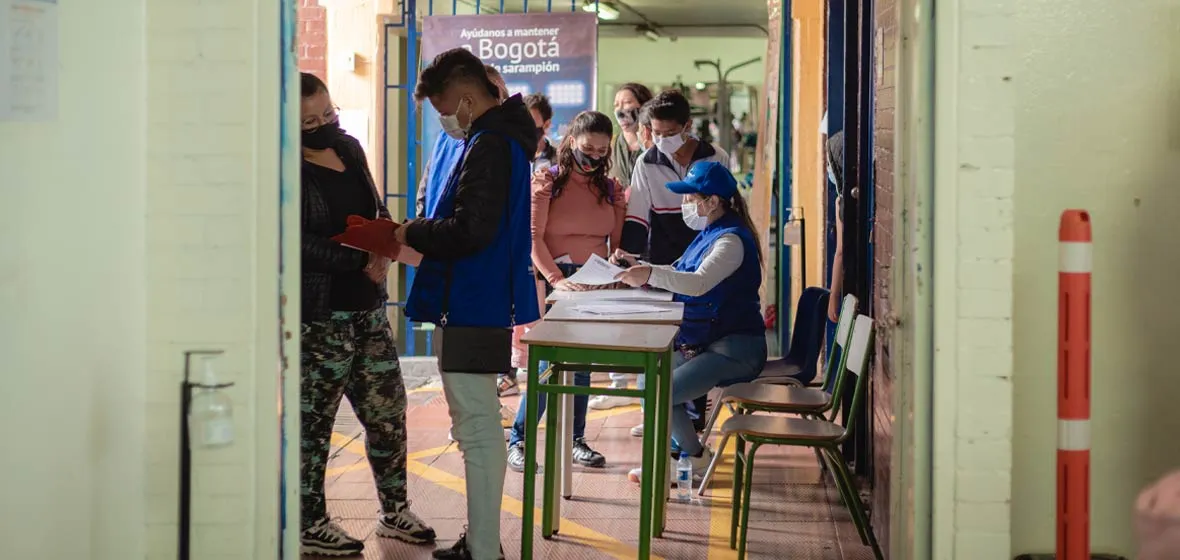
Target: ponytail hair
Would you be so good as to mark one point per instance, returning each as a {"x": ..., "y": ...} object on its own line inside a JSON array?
[{"x": 738, "y": 206}]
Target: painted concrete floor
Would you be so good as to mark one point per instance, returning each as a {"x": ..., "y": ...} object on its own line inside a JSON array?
[{"x": 795, "y": 513}]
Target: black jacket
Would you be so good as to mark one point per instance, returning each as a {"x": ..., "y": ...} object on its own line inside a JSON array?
[
  {"x": 482, "y": 193},
  {"x": 322, "y": 257}
]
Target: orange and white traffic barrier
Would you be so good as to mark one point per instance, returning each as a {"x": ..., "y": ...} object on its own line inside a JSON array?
[{"x": 1073, "y": 386}]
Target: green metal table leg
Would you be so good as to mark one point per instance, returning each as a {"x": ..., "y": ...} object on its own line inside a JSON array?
[
  {"x": 664, "y": 444},
  {"x": 530, "y": 459},
  {"x": 552, "y": 471}
]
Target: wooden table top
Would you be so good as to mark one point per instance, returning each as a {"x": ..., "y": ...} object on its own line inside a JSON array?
[
  {"x": 627, "y": 294},
  {"x": 602, "y": 336},
  {"x": 672, "y": 313}
]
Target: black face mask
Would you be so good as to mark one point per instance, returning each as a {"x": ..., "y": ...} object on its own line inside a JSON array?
[
  {"x": 588, "y": 164},
  {"x": 627, "y": 117},
  {"x": 321, "y": 137}
]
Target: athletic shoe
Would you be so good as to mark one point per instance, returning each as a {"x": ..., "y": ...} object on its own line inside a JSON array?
[
  {"x": 459, "y": 551},
  {"x": 585, "y": 456},
  {"x": 607, "y": 402},
  {"x": 637, "y": 431},
  {"x": 326, "y": 538},
  {"x": 404, "y": 525},
  {"x": 516, "y": 458}
]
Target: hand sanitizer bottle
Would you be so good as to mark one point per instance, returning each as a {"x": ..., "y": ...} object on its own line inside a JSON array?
[
  {"x": 683, "y": 479},
  {"x": 211, "y": 416}
]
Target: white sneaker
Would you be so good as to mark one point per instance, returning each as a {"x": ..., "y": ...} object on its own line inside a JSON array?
[
  {"x": 637, "y": 431},
  {"x": 404, "y": 525},
  {"x": 326, "y": 538},
  {"x": 607, "y": 402}
]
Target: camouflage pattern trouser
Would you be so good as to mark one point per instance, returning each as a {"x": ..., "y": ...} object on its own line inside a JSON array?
[{"x": 352, "y": 354}]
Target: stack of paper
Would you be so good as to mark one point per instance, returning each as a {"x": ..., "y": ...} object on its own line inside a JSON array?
[
  {"x": 616, "y": 308},
  {"x": 596, "y": 272}
]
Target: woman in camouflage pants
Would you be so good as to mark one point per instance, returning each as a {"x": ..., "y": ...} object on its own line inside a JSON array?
[{"x": 348, "y": 346}]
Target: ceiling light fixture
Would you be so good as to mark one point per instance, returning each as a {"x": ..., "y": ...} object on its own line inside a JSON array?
[
  {"x": 605, "y": 10},
  {"x": 647, "y": 31}
]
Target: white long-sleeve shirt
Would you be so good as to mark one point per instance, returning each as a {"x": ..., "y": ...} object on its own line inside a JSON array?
[{"x": 723, "y": 259}]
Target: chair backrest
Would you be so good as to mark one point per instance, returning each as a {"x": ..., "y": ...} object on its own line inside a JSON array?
[
  {"x": 857, "y": 364},
  {"x": 834, "y": 370},
  {"x": 808, "y": 332}
]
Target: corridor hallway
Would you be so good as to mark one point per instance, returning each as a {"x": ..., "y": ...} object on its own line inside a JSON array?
[{"x": 794, "y": 514}]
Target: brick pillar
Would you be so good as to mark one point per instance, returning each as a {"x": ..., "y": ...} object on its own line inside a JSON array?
[
  {"x": 313, "y": 38},
  {"x": 884, "y": 57}
]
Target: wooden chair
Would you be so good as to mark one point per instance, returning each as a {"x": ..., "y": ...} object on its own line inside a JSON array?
[
  {"x": 826, "y": 437},
  {"x": 757, "y": 396}
]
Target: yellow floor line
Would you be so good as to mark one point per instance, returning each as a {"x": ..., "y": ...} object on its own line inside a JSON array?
[
  {"x": 720, "y": 496},
  {"x": 569, "y": 530}
]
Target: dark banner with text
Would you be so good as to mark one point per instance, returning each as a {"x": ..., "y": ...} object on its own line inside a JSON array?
[{"x": 550, "y": 53}]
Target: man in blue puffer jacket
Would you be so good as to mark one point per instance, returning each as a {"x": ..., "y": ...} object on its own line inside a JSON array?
[{"x": 476, "y": 276}]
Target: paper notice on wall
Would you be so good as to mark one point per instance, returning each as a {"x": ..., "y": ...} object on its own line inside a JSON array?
[{"x": 28, "y": 60}]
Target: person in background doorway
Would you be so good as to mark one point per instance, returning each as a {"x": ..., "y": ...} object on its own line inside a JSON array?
[
  {"x": 542, "y": 113},
  {"x": 348, "y": 347},
  {"x": 476, "y": 279},
  {"x": 722, "y": 338},
  {"x": 654, "y": 226},
  {"x": 577, "y": 212},
  {"x": 834, "y": 157},
  {"x": 627, "y": 147}
]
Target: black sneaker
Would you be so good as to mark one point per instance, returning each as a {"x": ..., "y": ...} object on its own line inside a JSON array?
[
  {"x": 516, "y": 458},
  {"x": 585, "y": 456},
  {"x": 404, "y": 525},
  {"x": 326, "y": 538},
  {"x": 459, "y": 551}
]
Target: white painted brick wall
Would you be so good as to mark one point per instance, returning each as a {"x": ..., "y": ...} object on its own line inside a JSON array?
[
  {"x": 201, "y": 254},
  {"x": 985, "y": 250}
]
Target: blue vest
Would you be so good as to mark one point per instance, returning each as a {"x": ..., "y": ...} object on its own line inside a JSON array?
[
  {"x": 731, "y": 307},
  {"x": 444, "y": 158},
  {"x": 483, "y": 292}
]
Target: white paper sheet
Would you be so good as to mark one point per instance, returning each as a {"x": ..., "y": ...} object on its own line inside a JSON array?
[
  {"x": 624, "y": 294},
  {"x": 596, "y": 272},
  {"x": 616, "y": 308}
]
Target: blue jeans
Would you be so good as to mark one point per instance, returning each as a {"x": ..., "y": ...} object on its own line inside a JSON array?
[
  {"x": 736, "y": 358},
  {"x": 581, "y": 379}
]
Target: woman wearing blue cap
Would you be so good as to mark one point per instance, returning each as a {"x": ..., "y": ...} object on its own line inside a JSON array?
[{"x": 722, "y": 338}]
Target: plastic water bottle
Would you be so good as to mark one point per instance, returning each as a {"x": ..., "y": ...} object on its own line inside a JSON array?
[{"x": 683, "y": 479}]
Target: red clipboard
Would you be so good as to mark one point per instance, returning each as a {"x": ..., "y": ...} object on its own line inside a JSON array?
[{"x": 377, "y": 237}]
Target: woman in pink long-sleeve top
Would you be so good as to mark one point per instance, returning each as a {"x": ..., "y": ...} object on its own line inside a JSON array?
[{"x": 577, "y": 212}]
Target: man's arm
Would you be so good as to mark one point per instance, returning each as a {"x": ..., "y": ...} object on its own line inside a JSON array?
[
  {"x": 836, "y": 295},
  {"x": 636, "y": 225},
  {"x": 480, "y": 201}
]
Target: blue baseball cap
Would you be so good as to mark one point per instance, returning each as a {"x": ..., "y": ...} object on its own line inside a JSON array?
[{"x": 707, "y": 178}]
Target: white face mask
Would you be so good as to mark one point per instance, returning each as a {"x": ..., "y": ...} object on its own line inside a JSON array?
[
  {"x": 669, "y": 144},
  {"x": 692, "y": 216},
  {"x": 831, "y": 175},
  {"x": 450, "y": 124}
]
